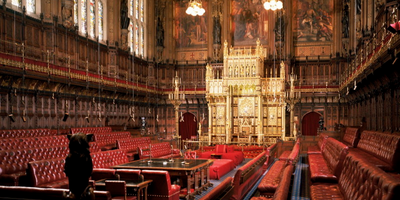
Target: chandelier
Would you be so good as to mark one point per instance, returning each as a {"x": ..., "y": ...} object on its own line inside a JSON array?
[
  {"x": 273, "y": 5},
  {"x": 195, "y": 8}
]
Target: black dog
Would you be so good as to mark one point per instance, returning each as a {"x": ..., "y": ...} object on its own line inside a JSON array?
[{"x": 79, "y": 167}]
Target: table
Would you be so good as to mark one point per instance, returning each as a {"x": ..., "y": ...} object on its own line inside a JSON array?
[
  {"x": 139, "y": 186},
  {"x": 190, "y": 169},
  {"x": 216, "y": 156}
]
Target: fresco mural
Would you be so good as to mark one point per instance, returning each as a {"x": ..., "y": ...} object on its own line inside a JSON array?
[
  {"x": 313, "y": 20},
  {"x": 190, "y": 31},
  {"x": 249, "y": 22}
]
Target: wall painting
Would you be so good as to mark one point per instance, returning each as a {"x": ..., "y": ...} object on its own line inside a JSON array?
[
  {"x": 190, "y": 31},
  {"x": 249, "y": 22},
  {"x": 312, "y": 20}
]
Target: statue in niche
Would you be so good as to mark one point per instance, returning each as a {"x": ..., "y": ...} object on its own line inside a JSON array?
[
  {"x": 217, "y": 30},
  {"x": 358, "y": 7},
  {"x": 67, "y": 14},
  {"x": 124, "y": 15},
  {"x": 280, "y": 28},
  {"x": 345, "y": 21},
  {"x": 160, "y": 33}
]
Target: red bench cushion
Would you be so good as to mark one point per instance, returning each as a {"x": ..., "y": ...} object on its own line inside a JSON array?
[
  {"x": 325, "y": 191},
  {"x": 319, "y": 170},
  {"x": 220, "y": 167},
  {"x": 271, "y": 180},
  {"x": 285, "y": 155},
  {"x": 313, "y": 150}
]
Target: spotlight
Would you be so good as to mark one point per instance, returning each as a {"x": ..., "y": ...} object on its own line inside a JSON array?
[
  {"x": 65, "y": 117},
  {"x": 11, "y": 116}
]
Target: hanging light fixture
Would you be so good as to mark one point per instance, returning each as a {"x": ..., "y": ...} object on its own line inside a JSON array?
[
  {"x": 195, "y": 8},
  {"x": 273, "y": 5}
]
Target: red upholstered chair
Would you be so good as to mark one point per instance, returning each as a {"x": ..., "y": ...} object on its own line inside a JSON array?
[
  {"x": 129, "y": 174},
  {"x": 161, "y": 187},
  {"x": 190, "y": 154},
  {"x": 102, "y": 173},
  {"x": 117, "y": 190}
]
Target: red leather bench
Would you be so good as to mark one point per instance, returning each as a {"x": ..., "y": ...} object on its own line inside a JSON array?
[
  {"x": 252, "y": 151},
  {"x": 38, "y": 193},
  {"x": 226, "y": 151},
  {"x": 161, "y": 187},
  {"x": 327, "y": 166},
  {"x": 106, "y": 159},
  {"x": 90, "y": 130},
  {"x": 220, "y": 167},
  {"x": 380, "y": 149},
  {"x": 15, "y": 162},
  {"x": 158, "y": 150},
  {"x": 282, "y": 190},
  {"x": 271, "y": 180},
  {"x": 130, "y": 145},
  {"x": 20, "y": 133},
  {"x": 317, "y": 149},
  {"x": 33, "y": 142},
  {"x": 108, "y": 141},
  {"x": 351, "y": 136},
  {"x": 247, "y": 175},
  {"x": 48, "y": 173},
  {"x": 358, "y": 180},
  {"x": 223, "y": 191}
]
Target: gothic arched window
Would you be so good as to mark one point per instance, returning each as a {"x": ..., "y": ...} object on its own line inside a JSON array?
[
  {"x": 89, "y": 15},
  {"x": 137, "y": 28}
]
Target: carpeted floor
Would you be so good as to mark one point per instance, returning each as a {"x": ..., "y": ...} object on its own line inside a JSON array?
[{"x": 217, "y": 182}]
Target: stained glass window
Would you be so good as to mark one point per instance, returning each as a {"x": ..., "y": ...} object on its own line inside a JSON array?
[
  {"x": 100, "y": 21},
  {"x": 137, "y": 9},
  {"x": 131, "y": 7},
  {"x": 130, "y": 37},
  {"x": 75, "y": 12},
  {"x": 31, "y": 6},
  {"x": 92, "y": 18},
  {"x": 137, "y": 30},
  {"x": 141, "y": 11},
  {"x": 137, "y": 39},
  {"x": 83, "y": 16},
  {"x": 142, "y": 40},
  {"x": 17, "y": 3}
]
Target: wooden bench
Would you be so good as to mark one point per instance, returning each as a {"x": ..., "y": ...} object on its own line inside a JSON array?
[
  {"x": 282, "y": 191},
  {"x": 223, "y": 191},
  {"x": 247, "y": 175},
  {"x": 272, "y": 179}
]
